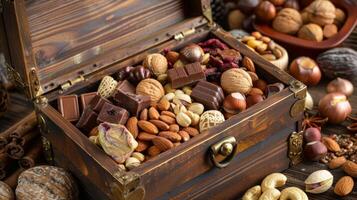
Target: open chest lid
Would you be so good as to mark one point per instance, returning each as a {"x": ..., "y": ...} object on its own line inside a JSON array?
[{"x": 57, "y": 43}]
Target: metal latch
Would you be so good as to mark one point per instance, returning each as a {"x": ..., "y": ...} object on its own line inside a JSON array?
[
  {"x": 296, "y": 148},
  {"x": 72, "y": 82},
  {"x": 226, "y": 148},
  {"x": 183, "y": 34}
]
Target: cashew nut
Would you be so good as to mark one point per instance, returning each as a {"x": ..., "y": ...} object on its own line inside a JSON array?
[
  {"x": 273, "y": 180},
  {"x": 270, "y": 194},
  {"x": 293, "y": 193},
  {"x": 253, "y": 193}
]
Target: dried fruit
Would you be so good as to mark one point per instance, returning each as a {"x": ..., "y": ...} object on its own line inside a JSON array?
[{"x": 344, "y": 186}]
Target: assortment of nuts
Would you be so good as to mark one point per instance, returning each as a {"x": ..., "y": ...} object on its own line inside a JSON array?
[{"x": 319, "y": 20}]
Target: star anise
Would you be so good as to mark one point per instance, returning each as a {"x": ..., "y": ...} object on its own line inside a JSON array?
[
  {"x": 353, "y": 126},
  {"x": 313, "y": 120}
]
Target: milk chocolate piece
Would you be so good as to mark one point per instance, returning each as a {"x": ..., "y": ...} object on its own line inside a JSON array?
[
  {"x": 113, "y": 114},
  {"x": 189, "y": 74},
  {"x": 86, "y": 98},
  {"x": 125, "y": 86},
  {"x": 132, "y": 102},
  {"x": 88, "y": 120},
  {"x": 97, "y": 103},
  {"x": 68, "y": 107},
  {"x": 273, "y": 89},
  {"x": 209, "y": 94}
]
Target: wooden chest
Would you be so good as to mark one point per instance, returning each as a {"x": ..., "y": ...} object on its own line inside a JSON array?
[{"x": 66, "y": 47}]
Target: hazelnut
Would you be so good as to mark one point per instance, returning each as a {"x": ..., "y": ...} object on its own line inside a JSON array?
[
  {"x": 277, "y": 2},
  {"x": 311, "y": 32},
  {"x": 254, "y": 99},
  {"x": 292, "y": 4},
  {"x": 192, "y": 53},
  {"x": 152, "y": 88},
  {"x": 156, "y": 62},
  {"x": 236, "y": 80},
  {"x": 312, "y": 134},
  {"x": 330, "y": 30},
  {"x": 265, "y": 11},
  {"x": 247, "y": 6},
  {"x": 172, "y": 56},
  {"x": 305, "y": 70},
  {"x": 234, "y": 103},
  {"x": 288, "y": 20},
  {"x": 261, "y": 84},
  {"x": 340, "y": 17},
  {"x": 315, "y": 150},
  {"x": 321, "y": 12},
  {"x": 235, "y": 19}
]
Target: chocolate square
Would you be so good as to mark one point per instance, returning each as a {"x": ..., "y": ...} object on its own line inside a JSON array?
[
  {"x": 86, "y": 98},
  {"x": 88, "y": 120},
  {"x": 132, "y": 102},
  {"x": 195, "y": 72},
  {"x": 68, "y": 107},
  {"x": 113, "y": 114},
  {"x": 187, "y": 75},
  {"x": 209, "y": 94},
  {"x": 97, "y": 103},
  {"x": 177, "y": 77},
  {"x": 125, "y": 86}
]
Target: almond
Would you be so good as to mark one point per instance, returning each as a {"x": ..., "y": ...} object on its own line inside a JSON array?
[
  {"x": 336, "y": 162},
  {"x": 160, "y": 124},
  {"x": 144, "y": 114},
  {"x": 331, "y": 144},
  {"x": 191, "y": 131},
  {"x": 153, "y": 113},
  {"x": 167, "y": 119},
  {"x": 162, "y": 143},
  {"x": 172, "y": 136},
  {"x": 184, "y": 135},
  {"x": 174, "y": 128},
  {"x": 163, "y": 104},
  {"x": 132, "y": 126},
  {"x": 350, "y": 168},
  {"x": 154, "y": 151},
  {"x": 344, "y": 186},
  {"x": 146, "y": 136},
  {"x": 248, "y": 64},
  {"x": 168, "y": 113},
  {"x": 142, "y": 146},
  {"x": 148, "y": 127}
]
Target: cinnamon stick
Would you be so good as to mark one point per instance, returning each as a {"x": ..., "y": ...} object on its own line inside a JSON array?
[
  {"x": 27, "y": 138},
  {"x": 4, "y": 139},
  {"x": 30, "y": 158},
  {"x": 23, "y": 129},
  {"x": 5, "y": 161},
  {"x": 14, "y": 150},
  {"x": 12, "y": 179}
]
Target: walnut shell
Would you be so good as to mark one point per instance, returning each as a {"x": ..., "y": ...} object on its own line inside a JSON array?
[
  {"x": 236, "y": 80},
  {"x": 157, "y": 63},
  {"x": 311, "y": 32},
  {"x": 288, "y": 21},
  {"x": 321, "y": 12},
  {"x": 152, "y": 88}
]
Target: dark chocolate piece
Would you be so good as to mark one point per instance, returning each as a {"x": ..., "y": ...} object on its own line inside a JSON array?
[
  {"x": 88, "y": 120},
  {"x": 86, "y": 98},
  {"x": 68, "y": 107},
  {"x": 125, "y": 86},
  {"x": 132, "y": 102},
  {"x": 273, "y": 89},
  {"x": 113, "y": 114},
  {"x": 97, "y": 103},
  {"x": 187, "y": 75},
  {"x": 209, "y": 94},
  {"x": 138, "y": 74}
]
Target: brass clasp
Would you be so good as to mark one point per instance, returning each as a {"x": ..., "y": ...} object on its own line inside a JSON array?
[{"x": 226, "y": 148}]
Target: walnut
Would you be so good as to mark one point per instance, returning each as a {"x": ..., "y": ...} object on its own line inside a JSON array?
[
  {"x": 288, "y": 21},
  {"x": 321, "y": 12},
  {"x": 157, "y": 63},
  {"x": 311, "y": 32},
  {"x": 152, "y": 88},
  {"x": 236, "y": 80}
]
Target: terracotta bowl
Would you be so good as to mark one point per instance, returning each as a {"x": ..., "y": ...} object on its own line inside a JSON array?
[{"x": 306, "y": 47}]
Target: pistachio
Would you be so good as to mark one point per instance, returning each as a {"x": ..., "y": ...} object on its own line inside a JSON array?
[
  {"x": 131, "y": 163},
  {"x": 195, "y": 118},
  {"x": 168, "y": 88},
  {"x": 138, "y": 156},
  {"x": 179, "y": 108},
  {"x": 318, "y": 182},
  {"x": 197, "y": 108},
  {"x": 177, "y": 92}
]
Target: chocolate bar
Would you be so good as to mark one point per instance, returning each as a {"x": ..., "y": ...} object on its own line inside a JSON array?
[
  {"x": 88, "y": 120},
  {"x": 113, "y": 114},
  {"x": 132, "y": 102},
  {"x": 86, "y": 98},
  {"x": 189, "y": 74},
  {"x": 125, "y": 86},
  {"x": 68, "y": 107},
  {"x": 209, "y": 94},
  {"x": 97, "y": 103}
]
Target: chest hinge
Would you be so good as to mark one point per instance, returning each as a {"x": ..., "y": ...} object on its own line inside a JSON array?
[
  {"x": 70, "y": 83},
  {"x": 181, "y": 35},
  {"x": 207, "y": 11},
  {"x": 298, "y": 88},
  {"x": 14, "y": 77}
]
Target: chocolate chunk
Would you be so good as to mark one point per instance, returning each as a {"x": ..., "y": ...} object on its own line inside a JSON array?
[
  {"x": 209, "y": 94},
  {"x": 87, "y": 121},
  {"x": 113, "y": 114},
  {"x": 68, "y": 107},
  {"x": 98, "y": 102},
  {"x": 132, "y": 102},
  {"x": 273, "y": 89},
  {"x": 86, "y": 98},
  {"x": 187, "y": 75},
  {"x": 125, "y": 86}
]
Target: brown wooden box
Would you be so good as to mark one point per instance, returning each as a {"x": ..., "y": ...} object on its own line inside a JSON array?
[{"x": 66, "y": 46}]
